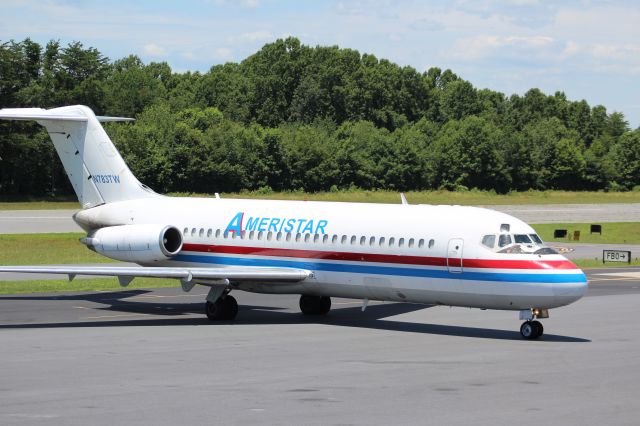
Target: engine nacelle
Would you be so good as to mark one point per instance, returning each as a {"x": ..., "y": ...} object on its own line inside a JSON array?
[{"x": 136, "y": 243}]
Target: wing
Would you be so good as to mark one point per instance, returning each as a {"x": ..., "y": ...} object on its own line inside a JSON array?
[{"x": 205, "y": 276}]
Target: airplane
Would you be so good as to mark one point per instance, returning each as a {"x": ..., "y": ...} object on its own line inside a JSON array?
[{"x": 427, "y": 254}]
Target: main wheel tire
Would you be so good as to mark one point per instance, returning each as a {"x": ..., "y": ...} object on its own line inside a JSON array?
[
  {"x": 229, "y": 308},
  {"x": 213, "y": 310},
  {"x": 325, "y": 305},
  {"x": 528, "y": 330},
  {"x": 308, "y": 305},
  {"x": 539, "y": 328}
]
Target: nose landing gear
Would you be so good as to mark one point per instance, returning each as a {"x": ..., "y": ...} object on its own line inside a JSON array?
[{"x": 532, "y": 329}]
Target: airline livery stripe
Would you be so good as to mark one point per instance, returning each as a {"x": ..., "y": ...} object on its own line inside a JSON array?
[
  {"x": 384, "y": 270},
  {"x": 381, "y": 258}
]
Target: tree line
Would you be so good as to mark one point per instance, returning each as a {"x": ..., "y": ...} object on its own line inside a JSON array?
[{"x": 293, "y": 117}]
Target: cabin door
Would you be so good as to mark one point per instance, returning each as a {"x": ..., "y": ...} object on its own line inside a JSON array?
[{"x": 454, "y": 255}]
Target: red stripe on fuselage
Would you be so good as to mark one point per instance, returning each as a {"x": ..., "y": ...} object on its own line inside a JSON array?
[{"x": 381, "y": 258}]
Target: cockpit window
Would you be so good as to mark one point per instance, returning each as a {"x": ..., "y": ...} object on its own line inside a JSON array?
[
  {"x": 489, "y": 241},
  {"x": 536, "y": 239},
  {"x": 522, "y": 239},
  {"x": 504, "y": 240},
  {"x": 514, "y": 249},
  {"x": 545, "y": 250}
]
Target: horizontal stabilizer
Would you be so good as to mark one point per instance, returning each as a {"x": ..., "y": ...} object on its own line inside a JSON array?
[
  {"x": 42, "y": 114},
  {"x": 37, "y": 114},
  {"x": 104, "y": 119}
]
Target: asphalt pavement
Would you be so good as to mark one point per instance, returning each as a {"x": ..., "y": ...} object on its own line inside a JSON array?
[{"x": 144, "y": 357}]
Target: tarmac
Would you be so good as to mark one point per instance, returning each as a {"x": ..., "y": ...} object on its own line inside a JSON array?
[{"x": 151, "y": 357}]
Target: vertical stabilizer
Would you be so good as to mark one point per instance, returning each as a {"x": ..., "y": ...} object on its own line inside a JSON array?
[{"x": 96, "y": 170}]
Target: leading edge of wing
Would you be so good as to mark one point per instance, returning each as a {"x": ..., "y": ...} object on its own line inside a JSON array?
[{"x": 180, "y": 273}]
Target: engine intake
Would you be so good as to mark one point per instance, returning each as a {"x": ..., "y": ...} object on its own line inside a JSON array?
[{"x": 136, "y": 243}]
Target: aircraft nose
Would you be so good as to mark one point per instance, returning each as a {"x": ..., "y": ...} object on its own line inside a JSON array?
[{"x": 571, "y": 289}]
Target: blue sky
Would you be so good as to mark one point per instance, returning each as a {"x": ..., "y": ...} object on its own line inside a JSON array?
[{"x": 588, "y": 49}]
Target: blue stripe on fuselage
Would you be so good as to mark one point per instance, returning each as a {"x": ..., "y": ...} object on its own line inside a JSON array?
[{"x": 384, "y": 270}]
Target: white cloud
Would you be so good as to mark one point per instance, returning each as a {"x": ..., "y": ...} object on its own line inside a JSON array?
[
  {"x": 255, "y": 36},
  {"x": 223, "y": 53},
  {"x": 153, "y": 49},
  {"x": 486, "y": 45},
  {"x": 625, "y": 52},
  {"x": 251, "y": 3},
  {"x": 571, "y": 48}
]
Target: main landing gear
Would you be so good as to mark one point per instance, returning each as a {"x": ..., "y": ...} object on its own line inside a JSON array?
[
  {"x": 315, "y": 305},
  {"x": 223, "y": 309},
  {"x": 532, "y": 329}
]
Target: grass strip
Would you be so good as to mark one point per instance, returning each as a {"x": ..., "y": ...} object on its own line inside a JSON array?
[
  {"x": 80, "y": 284},
  {"x": 45, "y": 249},
  {"x": 612, "y": 233}
]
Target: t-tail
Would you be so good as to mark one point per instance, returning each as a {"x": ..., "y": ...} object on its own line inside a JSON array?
[{"x": 96, "y": 170}]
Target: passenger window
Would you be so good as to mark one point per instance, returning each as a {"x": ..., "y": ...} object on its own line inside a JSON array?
[
  {"x": 411, "y": 242},
  {"x": 209, "y": 232},
  {"x": 307, "y": 237},
  {"x": 353, "y": 239},
  {"x": 298, "y": 236},
  {"x": 279, "y": 236},
  {"x": 431, "y": 243},
  {"x": 325, "y": 238},
  {"x": 343, "y": 240},
  {"x": 392, "y": 241},
  {"x": 334, "y": 239},
  {"x": 186, "y": 231},
  {"x": 381, "y": 241},
  {"x": 363, "y": 240},
  {"x": 217, "y": 233},
  {"x": 316, "y": 238},
  {"x": 504, "y": 240},
  {"x": 260, "y": 235},
  {"x": 243, "y": 234},
  {"x": 193, "y": 232},
  {"x": 421, "y": 243},
  {"x": 252, "y": 234},
  {"x": 226, "y": 234},
  {"x": 489, "y": 241},
  {"x": 288, "y": 236},
  {"x": 372, "y": 241},
  {"x": 269, "y": 235},
  {"x": 401, "y": 242}
]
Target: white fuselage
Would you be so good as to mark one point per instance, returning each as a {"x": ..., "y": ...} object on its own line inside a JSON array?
[{"x": 409, "y": 253}]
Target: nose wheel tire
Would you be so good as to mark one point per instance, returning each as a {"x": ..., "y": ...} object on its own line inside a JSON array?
[
  {"x": 531, "y": 330},
  {"x": 315, "y": 305},
  {"x": 224, "y": 309}
]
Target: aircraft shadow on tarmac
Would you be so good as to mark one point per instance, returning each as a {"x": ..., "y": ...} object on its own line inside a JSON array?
[{"x": 180, "y": 314}]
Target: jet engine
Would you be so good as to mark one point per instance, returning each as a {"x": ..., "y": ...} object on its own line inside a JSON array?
[{"x": 136, "y": 243}]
